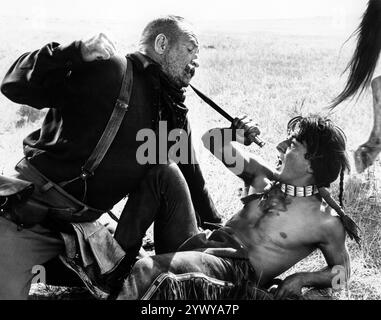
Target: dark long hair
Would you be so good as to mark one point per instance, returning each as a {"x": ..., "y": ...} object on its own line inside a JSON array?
[
  {"x": 364, "y": 59},
  {"x": 326, "y": 144}
]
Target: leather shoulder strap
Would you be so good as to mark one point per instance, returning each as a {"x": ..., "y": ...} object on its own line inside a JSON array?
[{"x": 120, "y": 109}]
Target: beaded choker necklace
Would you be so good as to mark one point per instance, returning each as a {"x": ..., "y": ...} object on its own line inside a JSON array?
[{"x": 294, "y": 191}]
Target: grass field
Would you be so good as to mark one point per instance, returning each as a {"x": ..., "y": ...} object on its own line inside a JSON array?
[{"x": 271, "y": 72}]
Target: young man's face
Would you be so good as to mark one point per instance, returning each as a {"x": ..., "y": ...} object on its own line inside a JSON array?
[
  {"x": 293, "y": 166},
  {"x": 180, "y": 62}
]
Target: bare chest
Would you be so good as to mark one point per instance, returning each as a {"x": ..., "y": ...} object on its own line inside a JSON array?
[{"x": 278, "y": 220}]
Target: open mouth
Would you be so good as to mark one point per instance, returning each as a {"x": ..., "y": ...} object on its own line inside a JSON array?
[
  {"x": 279, "y": 163},
  {"x": 190, "y": 71}
]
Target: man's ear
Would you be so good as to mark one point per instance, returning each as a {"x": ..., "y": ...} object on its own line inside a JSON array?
[{"x": 161, "y": 43}]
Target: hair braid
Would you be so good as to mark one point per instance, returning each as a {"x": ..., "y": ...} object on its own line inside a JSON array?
[{"x": 341, "y": 188}]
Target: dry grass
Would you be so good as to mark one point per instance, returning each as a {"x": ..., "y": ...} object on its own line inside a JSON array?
[{"x": 271, "y": 77}]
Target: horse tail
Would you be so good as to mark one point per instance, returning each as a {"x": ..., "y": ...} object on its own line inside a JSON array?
[{"x": 364, "y": 60}]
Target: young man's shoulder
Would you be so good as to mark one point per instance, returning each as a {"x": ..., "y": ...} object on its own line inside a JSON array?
[{"x": 330, "y": 225}]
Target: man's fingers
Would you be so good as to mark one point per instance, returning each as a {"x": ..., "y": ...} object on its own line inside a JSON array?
[
  {"x": 105, "y": 51},
  {"x": 241, "y": 125},
  {"x": 281, "y": 293},
  {"x": 238, "y": 124},
  {"x": 252, "y": 130},
  {"x": 99, "y": 47},
  {"x": 112, "y": 45},
  {"x": 105, "y": 38},
  {"x": 109, "y": 43},
  {"x": 235, "y": 122},
  {"x": 110, "y": 50},
  {"x": 103, "y": 47},
  {"x": 102, "y": 53},
  {"x": 278, "y": 293},
  {"x": 247, "y": 124}
]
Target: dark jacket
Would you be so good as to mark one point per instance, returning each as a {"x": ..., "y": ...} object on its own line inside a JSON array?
[{"x": 80, "y": 97}]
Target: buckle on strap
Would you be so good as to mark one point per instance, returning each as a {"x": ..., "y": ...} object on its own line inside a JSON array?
[
  {"x": 122, "y": 105},
  {"x": 85, "y": 174}
]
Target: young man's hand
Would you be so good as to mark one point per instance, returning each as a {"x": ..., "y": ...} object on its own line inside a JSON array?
[
  {"x": 290, "y": 288},
  {"x": 99, "y": 47},
  {"x": 248, "y": 128}
]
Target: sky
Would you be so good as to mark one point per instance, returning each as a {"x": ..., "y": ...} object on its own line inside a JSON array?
[{"x": 194, "y": 10}]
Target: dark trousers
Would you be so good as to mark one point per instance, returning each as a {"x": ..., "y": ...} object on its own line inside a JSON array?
[{"x": 162, "y": 198}]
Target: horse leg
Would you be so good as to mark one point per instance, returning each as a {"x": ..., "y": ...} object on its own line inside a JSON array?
[{"x": 367, "y": 153}]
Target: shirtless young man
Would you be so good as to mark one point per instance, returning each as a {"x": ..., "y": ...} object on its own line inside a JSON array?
[{"x": 282, "y": 221}]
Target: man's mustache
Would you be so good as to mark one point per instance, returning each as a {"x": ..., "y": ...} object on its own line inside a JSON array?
[{"x": 190, "y": 70}]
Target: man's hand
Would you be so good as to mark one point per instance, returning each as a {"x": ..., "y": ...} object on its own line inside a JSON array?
[
  {"x": 99, "y": 47},
  {"x": 250, "y": 130},
  {"x": 290, "y": 288}
]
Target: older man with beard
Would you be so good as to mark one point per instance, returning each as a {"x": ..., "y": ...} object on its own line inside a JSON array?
[{"x": 79, "y": 83}]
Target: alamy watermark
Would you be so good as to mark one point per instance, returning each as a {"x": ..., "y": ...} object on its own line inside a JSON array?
[
  {"x": 160, "y": 146},
  {"x": 39, "y": 273},
  {"x": 341, "y": 277}
]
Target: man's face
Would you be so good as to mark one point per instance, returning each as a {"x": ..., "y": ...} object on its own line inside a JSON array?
[
  {"x": 293, "y": 167},
  {"x": 180, "y": 61}
]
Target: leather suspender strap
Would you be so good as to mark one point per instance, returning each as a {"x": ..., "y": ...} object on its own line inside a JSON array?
[{"x": 120, "y": 108}]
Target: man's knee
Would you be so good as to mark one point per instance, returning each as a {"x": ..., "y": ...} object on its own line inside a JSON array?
[
  {"x": 20, "y": 252},
  {"x": 141, "y": 276},
  {"x": 169, "y": 171}
]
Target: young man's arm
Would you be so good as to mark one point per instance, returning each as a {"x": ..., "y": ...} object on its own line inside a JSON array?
[
  {"x": 335, "y": 275},
  {"x": 221, "y": 143}
]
